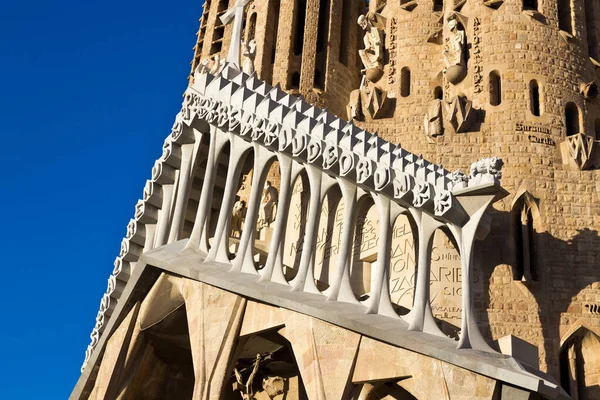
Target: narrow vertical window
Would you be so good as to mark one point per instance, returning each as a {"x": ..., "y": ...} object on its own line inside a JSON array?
[
  {"x": 299, "y": 27},
  {"x": 251, "y": 30},
  {"x": 565, "y": 22},
  {"x": 534, "y": 98},
  {"x": 590, "y": 24},
  {"x": 295, "y": 82},
  {"x": 525, "y": 268},
  {"x": 597, "y": 129},
  {"x": 344, "y": 32},
  {"x": 438, "y": 5},
  {"x": 405, "y": 82},
  {"x": 530, "y": 5},
  {"x": 438, "y": 93},
  {"x": 270, "y": 44},
  {"x": 495, "y": 88},
  {"x": 322, "y": 41},
  {"x": 572, "y": 119}
]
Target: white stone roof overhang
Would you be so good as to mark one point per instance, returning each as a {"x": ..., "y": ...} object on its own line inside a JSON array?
[{"x": 246, "y": 108}]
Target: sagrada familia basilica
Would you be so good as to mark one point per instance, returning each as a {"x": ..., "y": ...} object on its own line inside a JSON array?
[{"x": 368, "y": 200}]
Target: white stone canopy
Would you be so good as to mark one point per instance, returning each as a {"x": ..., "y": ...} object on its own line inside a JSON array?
[{"x": 250, "y": 115}]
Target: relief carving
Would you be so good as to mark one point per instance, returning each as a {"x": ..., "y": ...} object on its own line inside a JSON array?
[{"x": 455, "y": 65}]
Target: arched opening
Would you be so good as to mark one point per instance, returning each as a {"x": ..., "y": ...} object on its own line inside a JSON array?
[
  {"x": 196, "y": 187},
  {"x": 446, "y": 283},
  {"x": 438, "y": 5},
  {"x": 572, "y": 119},
  {"x": 328, "y": 238},
  {"x": 218, "y": 193},
  {"x": 275, "y": 375},
  {"x": 296, "y": 226},
  {"x": 240, "y": 206},
  {"x": 364, "y": 249},
  {"x": 530, "y": 5},
  {"x": 579, "y": 365},
  {"x": 405, "y": 82},
  {"x": 298, "y": 31},
  {"x": 403, "y": 264},
  {"x": 438, "y": 93},
  {"x": 322, "y": 45},
  {"x": 251, "y": 28},
  {"x": 524, "y": 238},
  {"x": 597, "y": 129},
  {"x": 534, "y": 98},
  {"x": 565, "y": 19},
  {"x": 592, "y": 33},
  {"x": 344, "y": 32},
  {"x": 267, "y": 213},
  {"x": 495, "y": 88}
]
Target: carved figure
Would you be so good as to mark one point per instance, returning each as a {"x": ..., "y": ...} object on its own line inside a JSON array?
[
  {"x": 249, "y": 392},
  {"x": 458, "y": 112},
  {"x": 372, "y": 55},
  {"x": 589, "y": 90},
  {"x": 273, "y": 386},
  {"x": 249, "y": 52},
  {"x": 215, "y": 64},
  {"x": 268, "y": 204},
  {"x": 237, "y": 218},
  {"x": 486, "y": 170},
  {"x": 459, "y": 180},
  {"x": 434, "y": 123},
  {"x": 202, "y": 67},
  {"x": 454, "y": 52}
]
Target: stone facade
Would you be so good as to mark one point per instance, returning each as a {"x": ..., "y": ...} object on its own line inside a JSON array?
[{"x": 542, "y": 54}]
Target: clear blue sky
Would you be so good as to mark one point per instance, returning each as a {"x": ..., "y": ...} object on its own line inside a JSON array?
[{"x": 88, "y": 92}]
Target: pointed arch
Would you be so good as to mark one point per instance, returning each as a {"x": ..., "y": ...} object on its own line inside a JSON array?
[
  {"x": 579, "y": 360},
  {"x": 525, "y": 217}
]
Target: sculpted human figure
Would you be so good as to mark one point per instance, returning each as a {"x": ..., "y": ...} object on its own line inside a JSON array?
[
  {"x": 372, "y": 54},
  {"x": 237, "y": 218},
  {"x": 267, "y": 206},
  {"x": 434, "y": 123},
  {"x": 249, "y": 52},
  {"x": 455, "y": 66}
]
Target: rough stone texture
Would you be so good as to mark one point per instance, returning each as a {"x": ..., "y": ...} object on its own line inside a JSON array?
[{"x": 520, "y": 46}]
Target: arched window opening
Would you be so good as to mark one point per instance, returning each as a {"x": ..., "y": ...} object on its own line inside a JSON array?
[
  {"x": 405, "y": 82},
  {"x": 438, "y": 5},
  {"x": 592, "y": 33},
  {"x": 534, "y": 98},
  {"x": 579, "y": 364},
  {"x": 322, "y": 41},
  {"x": 523, "y": 231},
  {"x": 344, "y": 33},
  {"x": 495, "y": 88},
  {"x": 530, "y": 5},
  {"x": 222, "y": 6},
  {"x": 365, "y": 248},
  {"x": 328, "y": 238},
  {"x": 296, "y": 226},
  {"x": 218, "y": 193},
  {"x": 438, "y": 93},
  {"x": 240, "y": 206},
  {"x": 267, "y": 214},
  {"x": 251, "y": 29},
  {"x": 402, "y": 270},
  {"x": 298, "y": 30},
  {"x": 565, "y": 19},
  {"x": 270, "y": 47},
  {"x": 572, "y": 119},
  {"x": 597, "y": 129}
]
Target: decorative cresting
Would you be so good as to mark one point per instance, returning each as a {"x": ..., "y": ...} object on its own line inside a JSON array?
[{"x": 249, "y": 114}]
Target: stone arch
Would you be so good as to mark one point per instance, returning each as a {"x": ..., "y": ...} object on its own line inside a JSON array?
[
  {"x": 251, "y": 28},
  {"x": 403, "y": 263},
  {"x": 572, "y": 119},
  {"x": 328, "y": 237},
  {"x": 535, "y": 104},
  {"x": 525, "y": 223},
  {"x": 495, "y": 88},
  {"x": 438, "y": 93},
  {"x": 364, "y": 246},
  {"x": 296, "y": 227},
  {"x": 579, "y": 359}
]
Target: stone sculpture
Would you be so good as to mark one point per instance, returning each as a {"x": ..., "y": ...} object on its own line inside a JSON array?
[
  {"x": 434, "y": 123},
  {"x": 249, "y": 52},
  {"x": 246, "y": 389},
  {"x": 372, "y": 55},
  {"x": 268, "y": 205},
  {"x": 236, "y": 13},
  {"x": 237, "y": 218},
  {"x": 455, "y": 66},
  {"x": 459, "y": 180},
  {"x": 485, "y": 170},
  {"x": 459, "y": 113}
]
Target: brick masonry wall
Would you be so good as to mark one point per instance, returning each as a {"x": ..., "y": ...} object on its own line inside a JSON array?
[{"x": 520, "y": 48}]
